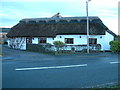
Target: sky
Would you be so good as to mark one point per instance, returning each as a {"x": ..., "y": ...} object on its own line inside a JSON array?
[{"x": 12, "y": 11}]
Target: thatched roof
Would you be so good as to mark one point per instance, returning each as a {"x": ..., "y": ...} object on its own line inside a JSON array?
[{"x": 50, "y": 27}]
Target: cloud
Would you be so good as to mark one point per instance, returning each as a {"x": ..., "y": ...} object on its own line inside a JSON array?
[
  {"x": 40, "y": 0},
  {"x": 105, "y": 3},
  {"x": 3, "y": 15},
  {"x": 107, "y": 10}
]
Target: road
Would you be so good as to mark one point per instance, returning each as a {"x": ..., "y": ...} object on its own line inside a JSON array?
[{"x": 22, "y": 69}]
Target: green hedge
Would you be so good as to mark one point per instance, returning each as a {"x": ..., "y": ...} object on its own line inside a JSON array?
[
  {"x": 115, "y": 46},
  {"x": 38, "y": 48}
]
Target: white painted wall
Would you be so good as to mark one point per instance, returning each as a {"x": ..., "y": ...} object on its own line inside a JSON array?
[
  {"x": 17, "y": 43},
  {"x": 107, "y": 38},
  {"x": 77, "y": 39},
  {"x": 35, "y": 40},
  {"x": 104, "y": 41},
  {"x": 50, "y": 40}
]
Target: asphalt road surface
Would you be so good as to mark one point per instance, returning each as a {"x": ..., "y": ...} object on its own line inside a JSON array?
[{"x": 22, "y": 69}]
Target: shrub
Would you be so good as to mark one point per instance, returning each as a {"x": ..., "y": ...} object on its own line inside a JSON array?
[
  {"x": 115, "y": 46},
  {"x": 58, "y": 44}
]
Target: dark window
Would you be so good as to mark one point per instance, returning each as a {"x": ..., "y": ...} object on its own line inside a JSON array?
[
  {"x": 69, "y": 40},
  {"x": 42, "y": 40},
  {"x": 29, "y": 40},
  {"x": 23, "y": 22},
  {"x": 92, "y": 40}
]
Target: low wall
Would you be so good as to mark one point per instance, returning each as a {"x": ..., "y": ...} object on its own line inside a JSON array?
[
  {"x": 38, "y": 48},
  {"x": 64, "y": 49}
]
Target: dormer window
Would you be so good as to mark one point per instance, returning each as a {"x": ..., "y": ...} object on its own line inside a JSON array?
[
  {"x": 42, "y": 22},
  {"x": 32, "y": 22},
  {"x": 63, "y": 21}
]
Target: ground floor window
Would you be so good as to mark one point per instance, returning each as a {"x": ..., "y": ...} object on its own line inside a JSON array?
[
  {"x": 92, "y": 40},
  {"x": 69, "y": 40},
  {"x": 29, "y": 40},
  {"x": 42, "y": 40}
]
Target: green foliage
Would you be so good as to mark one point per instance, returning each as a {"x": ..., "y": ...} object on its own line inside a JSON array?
[
  {"x": 117, "y": 38},
  {"x": 58, "y": 43},
  {"x": 115, "y": 46}
]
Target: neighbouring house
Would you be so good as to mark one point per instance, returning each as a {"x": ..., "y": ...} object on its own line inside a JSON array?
[
  {"x": 3, "y": 33},
  {"x": 70, "y": 30}
]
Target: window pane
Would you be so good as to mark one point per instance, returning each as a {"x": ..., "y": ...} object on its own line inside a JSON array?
[
  {"x": 42, "y": 40},
  {"x": 92, "y": 40},
  {"x": 69, "y": 40},
  {"x": 29, "y": 40}
]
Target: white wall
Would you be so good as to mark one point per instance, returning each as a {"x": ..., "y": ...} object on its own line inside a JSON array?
[
  {"x": 77, "y": 39},
  {"x": 50, "y": 40},
  {"x": 107, "y": 38},
  {"x": 104, "y": 41},
  {"x": 35, "y": 40},
  {"x": 101, "y": 39},
  {"x": 17, "y": 43}
]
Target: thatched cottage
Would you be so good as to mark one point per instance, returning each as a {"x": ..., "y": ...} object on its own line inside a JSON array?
[{"x": 70, "y": 30}]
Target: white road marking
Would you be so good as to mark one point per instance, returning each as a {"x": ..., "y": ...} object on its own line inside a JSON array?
[
  {"x": 35, "y": 68},
  {"x": 114, "y": 62}
]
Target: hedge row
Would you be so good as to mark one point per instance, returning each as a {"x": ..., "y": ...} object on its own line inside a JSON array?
[
  {"x": 38, "y": 48},
  {"x": 115, "y": 46}
]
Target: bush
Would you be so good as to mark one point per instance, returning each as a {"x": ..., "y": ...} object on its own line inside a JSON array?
[
  {"x": 58, "y": 43},
  {"x": 115, "y": 46}
]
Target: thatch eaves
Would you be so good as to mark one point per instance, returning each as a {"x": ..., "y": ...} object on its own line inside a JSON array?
[{"x": 49, "y": 27}]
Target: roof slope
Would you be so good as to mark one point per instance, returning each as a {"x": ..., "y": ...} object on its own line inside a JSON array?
[{"x": 48, "y": 28}]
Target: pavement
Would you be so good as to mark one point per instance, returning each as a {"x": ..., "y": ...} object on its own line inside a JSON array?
[{"x": 22, "y": 69}]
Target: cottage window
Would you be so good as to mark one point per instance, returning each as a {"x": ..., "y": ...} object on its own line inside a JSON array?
[
  {"x": 69, "y": 40},
  {"x": 92, "y": 40},
  {"x": 42, "y": 40},
  {"x": 29, "y": 40}
]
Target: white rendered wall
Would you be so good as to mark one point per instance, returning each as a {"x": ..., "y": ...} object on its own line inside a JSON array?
[
  {"x": 35, "y": 40},
  {"x": 50, "y": 40},
  {"x": 101, "y": 39},
  {"x": 77, "y": 39},
  {"x": 17, "y": 43},
  {"x": 107, "y": 39}
]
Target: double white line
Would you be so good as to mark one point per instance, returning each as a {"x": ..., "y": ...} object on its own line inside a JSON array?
[{"x": 53, "y": 67}]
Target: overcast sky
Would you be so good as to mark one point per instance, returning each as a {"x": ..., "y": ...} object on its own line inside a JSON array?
[{"x": 11, "y": 11}]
